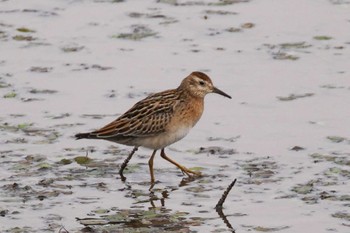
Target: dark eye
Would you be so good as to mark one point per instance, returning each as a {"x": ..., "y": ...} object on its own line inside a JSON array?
[{"x": 201, "y": 83}]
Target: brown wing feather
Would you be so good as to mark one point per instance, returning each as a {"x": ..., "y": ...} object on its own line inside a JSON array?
[{"x": 147, "y": 117}]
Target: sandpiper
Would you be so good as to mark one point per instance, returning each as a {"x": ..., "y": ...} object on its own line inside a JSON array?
[{"x": 159, "y": 120}]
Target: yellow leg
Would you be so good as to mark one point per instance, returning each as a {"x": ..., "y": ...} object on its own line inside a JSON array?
[
  {"x": 150, "y": 164},
  {"x": 182, "y": 168}
]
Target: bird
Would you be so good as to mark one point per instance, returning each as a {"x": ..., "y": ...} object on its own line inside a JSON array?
[{"x": 159, "y": 120}]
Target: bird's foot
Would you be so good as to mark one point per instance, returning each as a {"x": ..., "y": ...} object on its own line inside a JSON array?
[{"x": 191, "y": 173}]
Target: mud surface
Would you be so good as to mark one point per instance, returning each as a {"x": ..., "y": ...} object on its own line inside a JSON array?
[{"x": 73, "y": 66}]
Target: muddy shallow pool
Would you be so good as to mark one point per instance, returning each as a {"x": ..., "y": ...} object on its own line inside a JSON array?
[{"x": 73, "y": 66}]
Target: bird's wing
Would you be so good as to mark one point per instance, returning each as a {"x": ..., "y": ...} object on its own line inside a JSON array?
[{"x": 147, "y": 117}]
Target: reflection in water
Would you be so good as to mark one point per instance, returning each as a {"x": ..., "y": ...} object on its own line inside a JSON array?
[
  {"x": 62, "y": 230},
  {"x": 224, "y": 218},
  {"x": 157, "y": 217},
  {"x": 153, "y": 197},
  {"x": 186, "y": 180}
]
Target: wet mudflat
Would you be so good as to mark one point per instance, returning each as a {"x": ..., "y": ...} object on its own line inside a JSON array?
[{"x": 73, "y": 66}]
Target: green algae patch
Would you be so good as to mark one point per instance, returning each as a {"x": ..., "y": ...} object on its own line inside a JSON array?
[
  {"x": 23, "y": 38},
  {"x": 197, "y": 169},
  {"x": 284, "y": 56},
  {"x": 23, "y": 126},
  {"x": 65, "y": 161},
  {"x": 72, "y": 48},
  {"x": 322, "y": 37},
  {"x": 295, "y": 45},
  {"x": 82, "y": 160},
  {"x": 10, "y": 95},
  {"x": 44, "y": 166},
  {"x": 269, "y": 229},
  {"x": 342, "y": 215},
  {"x": 138, "y": 220},
  {"x": 139, "y": 32},
  {"x": 303, "y": 188},
  {"x": 226, "y": 2},
  {"x": 4, "y": 84},
  {"x": 25, "y": 30},
  {"x": 336, "y": 139},
  {"x": 132, "y": 168},
  {"x": 294, "y": 96}
]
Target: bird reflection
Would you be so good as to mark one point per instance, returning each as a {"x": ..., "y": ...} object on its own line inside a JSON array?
[
  {"x": 158, "y": 197},
  {"x": 165, "y": 195}
]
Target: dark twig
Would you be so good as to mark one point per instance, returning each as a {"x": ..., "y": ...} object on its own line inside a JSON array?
[
  {"x": 125, "y": 163},
  {"x": 224, "y": 195},
  {"x": 218, "y": 206}
]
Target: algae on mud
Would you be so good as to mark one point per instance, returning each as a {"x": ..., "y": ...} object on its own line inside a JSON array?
[{"x": 279, "y": 189}]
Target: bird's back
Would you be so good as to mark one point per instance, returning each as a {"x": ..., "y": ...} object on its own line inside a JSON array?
[{"x": 147, "y": 118}]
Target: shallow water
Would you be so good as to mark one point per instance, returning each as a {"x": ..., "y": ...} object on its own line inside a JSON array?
[{"x": 73, "y": 66}]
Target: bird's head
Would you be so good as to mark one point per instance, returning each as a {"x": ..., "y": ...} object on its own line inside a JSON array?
[{"x": 199, "y": 84}]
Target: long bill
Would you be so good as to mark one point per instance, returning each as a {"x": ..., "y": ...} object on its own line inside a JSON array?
[{"x": 220, "y": 92}]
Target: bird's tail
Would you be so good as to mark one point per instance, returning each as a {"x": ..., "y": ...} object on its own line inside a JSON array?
[{"x": 84, "y": 135}]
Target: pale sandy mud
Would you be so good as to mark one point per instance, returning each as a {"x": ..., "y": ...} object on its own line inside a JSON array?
[{"x": 73, "y": 66}]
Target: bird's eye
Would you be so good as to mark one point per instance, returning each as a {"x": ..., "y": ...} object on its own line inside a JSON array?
[{"x": 201, "y": 83}]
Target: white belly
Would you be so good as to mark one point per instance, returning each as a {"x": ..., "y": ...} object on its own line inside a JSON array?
[{"x": 165, "y": 139}]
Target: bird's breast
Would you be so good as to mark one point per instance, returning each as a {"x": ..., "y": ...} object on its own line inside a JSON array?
[{"x": 185, "y": 116}]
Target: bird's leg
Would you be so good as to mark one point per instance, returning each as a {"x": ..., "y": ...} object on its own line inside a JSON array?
[
  {"x": 125, "y": 163},
  {"x": 182, "y": 168},
  {"x": 150, "y": 164}
]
